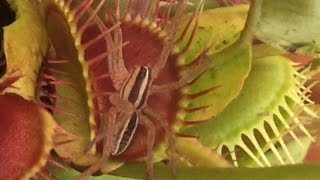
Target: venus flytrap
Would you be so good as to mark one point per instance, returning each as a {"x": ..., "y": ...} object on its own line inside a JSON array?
[
  {"x": 68, "y": 55},
  {"x": 32, "y": 46},
  {"x": 246, "y": 139},
  {"x": 220, "y": 34},
  {"x": 99, "y": 58},
  {"x": 273, "y": 118},
  {"x": 27, "y": 130}
]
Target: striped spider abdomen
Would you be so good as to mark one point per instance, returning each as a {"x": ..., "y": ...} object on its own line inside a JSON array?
[{"x": 124, "y": 136}]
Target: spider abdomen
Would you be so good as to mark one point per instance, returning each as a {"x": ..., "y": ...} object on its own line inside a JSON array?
[
  {"x": 124, "y": 137},
  {"x": 136, "y": 87}
]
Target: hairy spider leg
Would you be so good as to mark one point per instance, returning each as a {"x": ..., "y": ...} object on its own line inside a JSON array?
[
  {"x": 106, "y": 146},
  {"x": 116, "y": 68},
  {"x": 192, "y": 73},
  {"x": 153, "y": 116},
  {"x": 150, "y": 128},
  {"x": 106, "y": 135},
  {"x": 110, "y": 127},
  {"x": 169, "y": 42}
]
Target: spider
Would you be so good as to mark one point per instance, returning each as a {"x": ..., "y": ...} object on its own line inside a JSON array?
[{"x": 130, "y": 100}]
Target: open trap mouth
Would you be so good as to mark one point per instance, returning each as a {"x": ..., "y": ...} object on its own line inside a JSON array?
[{"x": 7, "y": 16}]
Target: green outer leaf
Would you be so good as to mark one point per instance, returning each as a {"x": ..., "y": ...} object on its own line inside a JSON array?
[
  {"x": 264, "y": 50},
  {"x": 25, "y": 43},
  {"x": 290, "y": 24},
  {"x": 270, "y": 79},
  {"x": 294, "y": 172},
  {"x": 230, "y": 66},
  {"x": 222, "y": 32}
]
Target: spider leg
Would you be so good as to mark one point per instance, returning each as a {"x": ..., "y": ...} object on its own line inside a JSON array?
[
  {"x": 121, "y": 118},
  {"x": 120, "y": 105},
  {"x": 169, "y": 134},
  {"x": 190, "y": 74},
  {"x": 116, "y": 66},
  {"x": 107, "y": 145},
  {"x": 169, "y": 43},
  {"x": 149, "y": 126},
  {"x": 96, "y": 140},
  {"x": 114, "y": 43}
]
